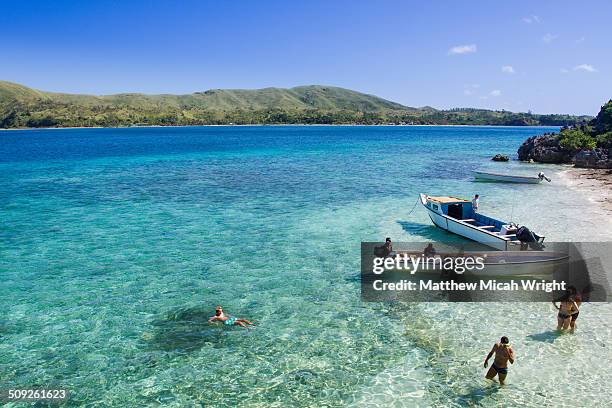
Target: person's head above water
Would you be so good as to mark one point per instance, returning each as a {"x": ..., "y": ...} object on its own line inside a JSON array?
[
  {"x": 569, "y": 295},
  {"x": 504, "y": 340},
  {"x": 476, "y": 196},
  {"x": 218, "y": 310},
  {"x": 387, "y": 239}
]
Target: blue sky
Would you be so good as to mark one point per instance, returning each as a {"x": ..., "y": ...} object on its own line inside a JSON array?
[{"x": 544, "y": 56}]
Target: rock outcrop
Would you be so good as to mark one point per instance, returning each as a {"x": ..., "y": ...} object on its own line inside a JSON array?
[
  {"x": 588, "y": 145},
  {"x": 500, "y": 158},
  {"x": 544, "y": 149},
  {"x": 594, "y": 159}
]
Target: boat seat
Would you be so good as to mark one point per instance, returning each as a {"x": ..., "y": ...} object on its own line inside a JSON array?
[
  {"x": 505, "y": 235},
  {"x": 487, "y": 226},
  {"x": 469, "y": 220}
]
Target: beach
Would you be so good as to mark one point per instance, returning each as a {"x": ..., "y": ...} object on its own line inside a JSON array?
[{"x": 596, "y": 184}]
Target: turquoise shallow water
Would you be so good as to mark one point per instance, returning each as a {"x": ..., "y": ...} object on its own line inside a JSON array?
[{"x": 116, "y": 244}]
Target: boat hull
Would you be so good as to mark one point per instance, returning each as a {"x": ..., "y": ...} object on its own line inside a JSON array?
[
  {"x": 506, "y": 178},
  {"x": 508, "y": 263}
]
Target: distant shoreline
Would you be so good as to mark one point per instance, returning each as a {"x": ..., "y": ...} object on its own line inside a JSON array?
[{"x": 272, "y": 125}]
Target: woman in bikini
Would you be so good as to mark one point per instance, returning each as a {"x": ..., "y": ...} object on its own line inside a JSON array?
[
  {"x": 228, "y": 320},
  {"x": 567, "y": 307}
]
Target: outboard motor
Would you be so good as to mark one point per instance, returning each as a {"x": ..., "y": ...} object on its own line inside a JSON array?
[
  {"x": 529, "y": 239},
  {"x": 542, "y": 176}
]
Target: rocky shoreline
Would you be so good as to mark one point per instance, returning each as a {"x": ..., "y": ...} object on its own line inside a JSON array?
[
  {"x": 547, "y": 149},
  {"x": 587, "y": 145}
]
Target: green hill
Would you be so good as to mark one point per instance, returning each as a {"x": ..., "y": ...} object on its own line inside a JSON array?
[
  {"x": 10, "y": 91},
  {"x": 21, "y": 106}
]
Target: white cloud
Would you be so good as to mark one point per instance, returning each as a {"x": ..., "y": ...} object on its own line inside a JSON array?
[
  {"x": 579, "y": 40},
  {"x": 470, "y": 89},
  {"x": 531, "y": 19},
  {"x": 483, "y": 97},
  {"x": 585, "y": 67},
  {"x": 548, "y": 38},
  {"x": 462, "y": 49},
  {"x": 495, "y": 92},
  {"x": 564, "y": 70},
  {"x": 508, "y": 69}
]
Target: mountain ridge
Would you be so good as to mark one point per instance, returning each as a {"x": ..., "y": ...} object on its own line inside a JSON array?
[{"x": 21, "y": 106}]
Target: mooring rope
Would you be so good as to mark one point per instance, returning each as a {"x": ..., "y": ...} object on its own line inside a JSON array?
[{"x": 414, "y": 206}]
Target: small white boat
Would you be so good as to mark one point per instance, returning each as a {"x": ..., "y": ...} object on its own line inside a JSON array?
[
  {"x": 508, "y": 178},
  {"x": 456, "y": 215}
]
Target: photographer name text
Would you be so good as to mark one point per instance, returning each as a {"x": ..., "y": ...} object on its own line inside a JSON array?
[{"x": 491, "y": 285}]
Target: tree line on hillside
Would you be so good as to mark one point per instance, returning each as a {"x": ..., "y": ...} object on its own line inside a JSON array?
[{"x": 46, "y": 113}]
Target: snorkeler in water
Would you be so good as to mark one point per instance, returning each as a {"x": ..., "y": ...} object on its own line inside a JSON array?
[
  {"x": 228, "y": 320},
  {"x": 503, "y": 353}
]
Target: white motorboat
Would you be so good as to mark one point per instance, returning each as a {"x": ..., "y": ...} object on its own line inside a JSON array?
[
  {"x": 456, "y": 215},
  {"x": 508, "y": 178}
]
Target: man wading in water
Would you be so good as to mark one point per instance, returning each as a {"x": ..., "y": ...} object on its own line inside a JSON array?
[{"x": 503, "y": 354}]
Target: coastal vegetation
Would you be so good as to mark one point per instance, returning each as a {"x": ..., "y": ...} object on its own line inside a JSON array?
[
  {"x": 576, "y": 138},
  {"x": 587, "y": 144},
  {"x": 23, "y": 107}
]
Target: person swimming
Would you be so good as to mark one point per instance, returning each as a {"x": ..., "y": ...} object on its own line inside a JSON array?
[
  {"x": 503, "y": 353},
  {"x": 228, "y": 320}
]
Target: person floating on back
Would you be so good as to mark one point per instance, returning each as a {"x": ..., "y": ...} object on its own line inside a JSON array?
[
  {"x": 503, "y": 353},
  {"x": 228, "y": 320},
  {"x": 476, "y": 203}
]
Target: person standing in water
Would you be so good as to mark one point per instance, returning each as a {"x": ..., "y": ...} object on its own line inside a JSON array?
[
  {"x": 503, "y": 353},
  {"x": 476, "y": 203},
  {"x": 228, "y": 320},
  {"x": 388, "y": 248},
  {"x": 429, "y": 250},
  {"x": 577, "y": 297},
  {"x": 568, "y": 311}
]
